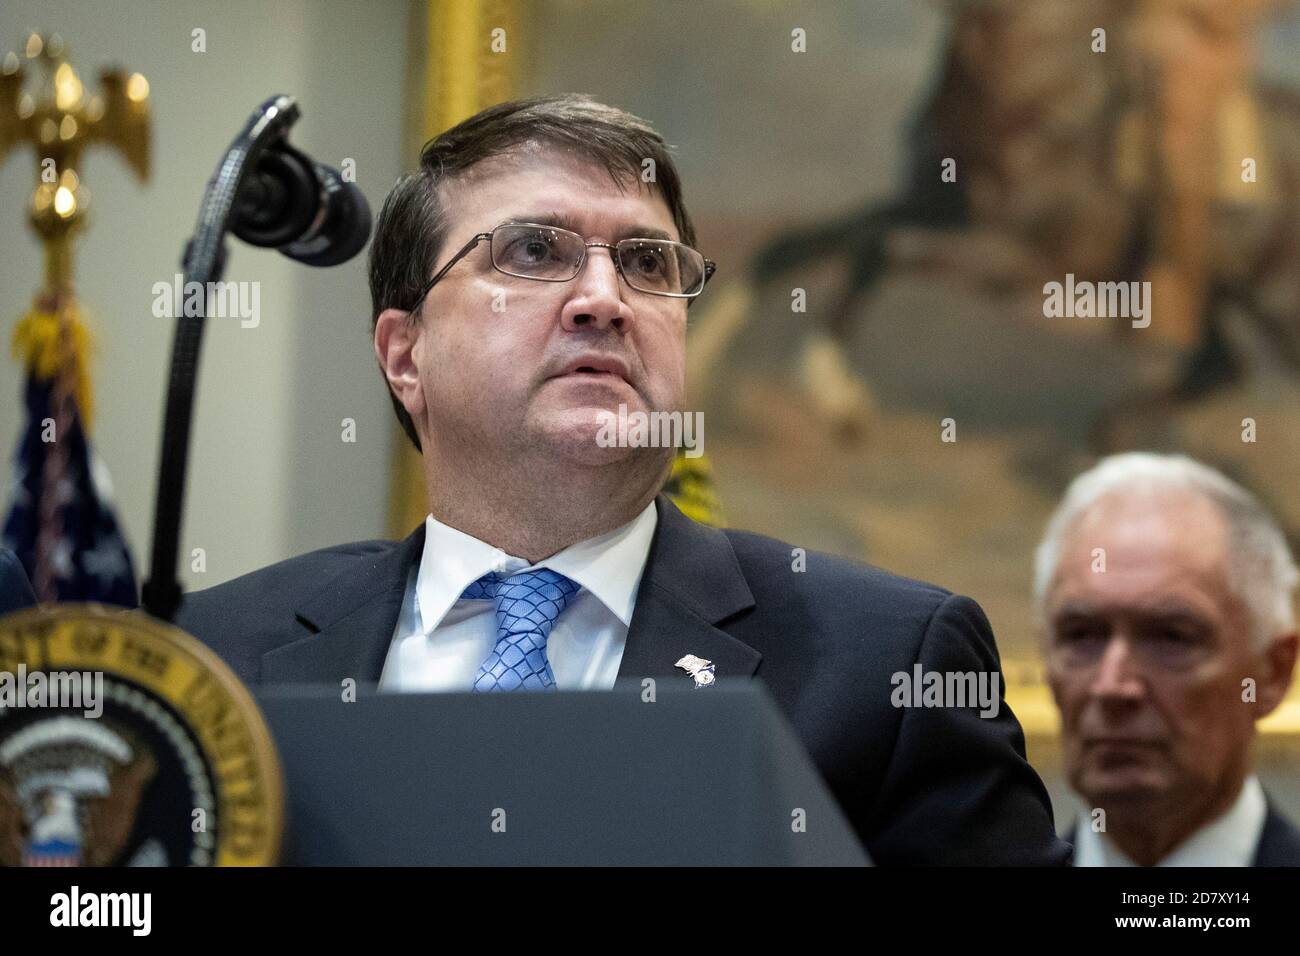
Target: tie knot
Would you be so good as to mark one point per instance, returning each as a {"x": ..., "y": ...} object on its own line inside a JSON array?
[
  {"x": 527, "y": 605},
  {"x": 536, "y": 596}
]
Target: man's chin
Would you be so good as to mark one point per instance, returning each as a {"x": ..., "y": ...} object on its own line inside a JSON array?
[
  {"x": 584, "y": 436},
  {"x": 583, "y": 449},
  {"x": 1132, "y": 787}
]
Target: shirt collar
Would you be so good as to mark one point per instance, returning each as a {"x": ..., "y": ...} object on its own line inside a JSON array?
[
  {"x": 1229, "y": 840},
  {"x": 609, "y": 565}
]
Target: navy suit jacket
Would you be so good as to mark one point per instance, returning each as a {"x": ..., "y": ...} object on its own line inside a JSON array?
[
  {"x": 1279, "y": 842},
  {"x": 15, "y": 589},
  {"x": 920, "y": 785}
]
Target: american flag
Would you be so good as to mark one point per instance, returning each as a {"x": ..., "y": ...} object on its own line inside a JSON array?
[{"x": 61, "y": 521}]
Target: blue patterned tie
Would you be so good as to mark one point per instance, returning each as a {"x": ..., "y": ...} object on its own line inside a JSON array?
[{"x": 527, "y": 605}]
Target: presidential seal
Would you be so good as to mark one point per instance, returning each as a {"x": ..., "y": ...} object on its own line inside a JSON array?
[{"x": 126, "y": 742}]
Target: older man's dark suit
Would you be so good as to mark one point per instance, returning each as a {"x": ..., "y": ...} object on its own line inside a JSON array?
[
  {"x": 937, "y": 785},
  {"x": 1279, "y": 841}
]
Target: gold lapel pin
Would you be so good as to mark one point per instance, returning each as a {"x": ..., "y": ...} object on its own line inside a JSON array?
[{"x": 698, "y": 668}]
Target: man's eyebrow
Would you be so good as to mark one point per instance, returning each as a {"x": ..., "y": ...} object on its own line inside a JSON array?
[
  {"x": 1176, "y": 612},
  {"x": 564, "y": 221}
]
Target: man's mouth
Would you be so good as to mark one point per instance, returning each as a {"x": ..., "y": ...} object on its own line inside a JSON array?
[{"x": 595, "y": 367}]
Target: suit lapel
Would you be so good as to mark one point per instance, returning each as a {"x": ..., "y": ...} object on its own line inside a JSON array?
[
  {"x": 691, "y": 582},
  {"x": 349, "y": 620}
]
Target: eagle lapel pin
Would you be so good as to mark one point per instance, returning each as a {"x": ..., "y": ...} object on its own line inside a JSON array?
[{"x": 698, "y": 668}]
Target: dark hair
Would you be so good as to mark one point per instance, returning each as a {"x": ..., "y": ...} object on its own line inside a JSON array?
[{"x": 412, "y": 225}]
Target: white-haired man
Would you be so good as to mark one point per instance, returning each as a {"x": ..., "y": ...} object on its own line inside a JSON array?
[{"x": 1164, "y": 593}]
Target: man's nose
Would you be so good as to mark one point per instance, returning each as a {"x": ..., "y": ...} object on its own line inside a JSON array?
[
  {"x": 597, "y": 300},
  {"x": 1118, "y": 676}
]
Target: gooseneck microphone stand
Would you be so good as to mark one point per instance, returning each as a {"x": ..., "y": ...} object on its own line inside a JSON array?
[{"x": 204, "y": 261}]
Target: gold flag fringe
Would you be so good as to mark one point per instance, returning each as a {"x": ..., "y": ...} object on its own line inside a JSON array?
[{"x": 53, "y": 344}]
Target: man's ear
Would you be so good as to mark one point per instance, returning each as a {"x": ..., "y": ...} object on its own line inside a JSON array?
[
  {"x": 396, "y": 335},
  {"x": 1278, "y": 666}
]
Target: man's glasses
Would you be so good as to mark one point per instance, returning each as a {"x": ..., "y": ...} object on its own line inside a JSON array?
[{"x": 550, "y": 254}]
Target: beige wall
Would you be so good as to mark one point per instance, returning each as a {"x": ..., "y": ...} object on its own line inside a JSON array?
[{"x": 270, "y": 476}]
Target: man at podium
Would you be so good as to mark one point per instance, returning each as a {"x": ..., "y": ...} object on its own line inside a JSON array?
[{"x": 530, "y": 286}]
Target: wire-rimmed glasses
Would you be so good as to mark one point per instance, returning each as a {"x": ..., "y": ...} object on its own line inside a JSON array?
[{"x": 550, "y": 254}]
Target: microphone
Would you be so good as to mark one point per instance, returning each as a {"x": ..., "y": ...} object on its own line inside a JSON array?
[
  {"x": 271, "y": 195},
  {"x": 287, "y": 201}
]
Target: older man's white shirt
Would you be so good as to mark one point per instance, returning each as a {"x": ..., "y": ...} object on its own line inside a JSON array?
[
  {"x": 1229, "y": 840},
  {"x": 441, "y": 640}
]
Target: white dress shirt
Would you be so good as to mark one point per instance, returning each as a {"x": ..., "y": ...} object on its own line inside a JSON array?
[
  {"x": 441, "y": 640},
  {"x": 1228, "y": 840}
]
